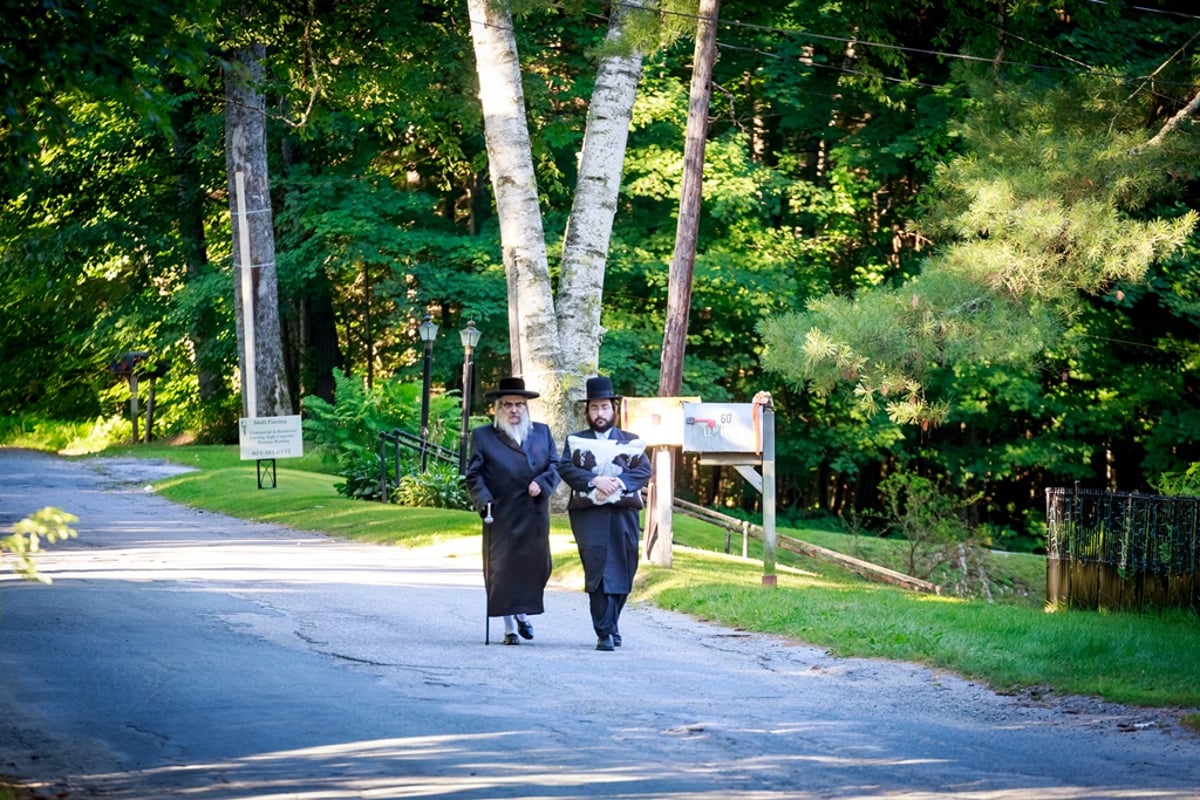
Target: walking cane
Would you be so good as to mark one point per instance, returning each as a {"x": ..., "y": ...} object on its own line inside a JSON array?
[{"x": 488, "y": 519}]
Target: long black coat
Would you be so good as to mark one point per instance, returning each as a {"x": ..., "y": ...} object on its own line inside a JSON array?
[
  {"x": 606, "y": 535},
  {"x": 516, "y": 545}
]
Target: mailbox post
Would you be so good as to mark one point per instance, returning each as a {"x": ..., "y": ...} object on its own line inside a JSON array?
[
  {"x": 127, "y": 367},
  {"x": 740, "y": 435},
  {"x": 658, "y": 421}
]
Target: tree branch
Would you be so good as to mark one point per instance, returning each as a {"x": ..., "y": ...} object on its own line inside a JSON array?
[{"x": 1172, "y": 123}]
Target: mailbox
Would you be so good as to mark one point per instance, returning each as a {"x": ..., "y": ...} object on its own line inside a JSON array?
[
  {"x": 127, "y": 363},
  {"x": 721, "y": 428},
  {"x": 657, "y": 421}
]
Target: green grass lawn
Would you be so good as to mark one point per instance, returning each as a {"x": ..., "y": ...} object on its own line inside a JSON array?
[{"x": 1150, "y": 659}]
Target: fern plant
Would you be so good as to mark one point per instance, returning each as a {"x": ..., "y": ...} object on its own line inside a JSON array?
[
  {"x": 1180, "y": 484},
  {"x": 349, "y": 430},
  {"x": 349, "y": 427}
]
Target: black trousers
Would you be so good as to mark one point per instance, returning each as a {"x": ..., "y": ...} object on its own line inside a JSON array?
[{"x": 606, "y": 611}]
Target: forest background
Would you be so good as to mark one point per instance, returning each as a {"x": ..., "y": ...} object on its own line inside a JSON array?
[{"x": 954, "y": 240}]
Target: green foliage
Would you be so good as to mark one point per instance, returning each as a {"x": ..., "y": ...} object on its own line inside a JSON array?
[
  {"x": 1182, "y": 484},
  {"x": 363, "y": 478},
  {"x": 440, "y": 486},
  {"x": 1002, "y": 330},
  {"x": 1033, "y": 216},
  {"x": 48, "y": 524},
  {"x": 349, "y": 427},
  {"x": 54, "y": 51},
  {"x": 940, "y": 545},
  {"x": 348, "y": 430},
  {"x": 67, "y": 438}
]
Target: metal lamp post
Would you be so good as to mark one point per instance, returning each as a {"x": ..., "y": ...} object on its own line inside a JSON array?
[
  {"x": 470, "y": 338},
  {"x": 428, "y": 332}
]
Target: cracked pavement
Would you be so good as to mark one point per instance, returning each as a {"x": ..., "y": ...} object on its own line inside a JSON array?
[{"x": 183, "y": 653}]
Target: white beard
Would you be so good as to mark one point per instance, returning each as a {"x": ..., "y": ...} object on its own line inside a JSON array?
[{"x": 516, "y": 432}]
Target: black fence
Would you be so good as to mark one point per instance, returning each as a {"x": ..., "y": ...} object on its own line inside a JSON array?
[
  {"x": 426, "y": 450},
  {"x": 1121, "y": 550}
]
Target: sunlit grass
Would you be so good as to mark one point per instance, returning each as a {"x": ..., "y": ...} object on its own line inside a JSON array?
[
  {"x": 308, "y": 501},
  {"x": 1141, "y": 659}
]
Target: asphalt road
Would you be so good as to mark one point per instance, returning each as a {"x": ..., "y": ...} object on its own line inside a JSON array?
[{"x": 185, "y": 654}]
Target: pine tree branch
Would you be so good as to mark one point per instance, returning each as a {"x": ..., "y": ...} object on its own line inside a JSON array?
[{"x": 1171, "y": 124}]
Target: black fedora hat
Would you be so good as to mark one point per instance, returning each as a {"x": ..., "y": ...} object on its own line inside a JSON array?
[
  {"x": 600, "y": 388},
  {"x": 510, "y": 386}
]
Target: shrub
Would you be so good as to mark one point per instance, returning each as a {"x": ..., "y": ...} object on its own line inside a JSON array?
[
  {"x": 363, "y": 478},
  {"x": 23, "y": 544},
  {"x": 439, "y": 487},
  {"x": 349, "y": 427},
  {"x": 941, "y": 546},
  {"x": 1180, "y": 484}
]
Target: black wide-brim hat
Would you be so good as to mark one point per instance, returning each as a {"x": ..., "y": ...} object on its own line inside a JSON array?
[
  {"x": 600, "y": 388},
  {"x": 509, "y": 386}
]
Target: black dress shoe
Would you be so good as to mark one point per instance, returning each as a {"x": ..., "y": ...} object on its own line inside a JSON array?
[
  {"x": 511, "y": 638},
  {"x": 616, "y": 637},
  {"x": 605, "y": 643},
  {"x": 525, "y": 628}
]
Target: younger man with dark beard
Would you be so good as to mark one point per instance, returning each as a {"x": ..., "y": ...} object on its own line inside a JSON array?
[
  {"x": 511, "y": 473},
  {"x": 607, "y": 469}
]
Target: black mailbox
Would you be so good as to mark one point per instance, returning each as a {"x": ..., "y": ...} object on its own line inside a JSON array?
[{"x": 126, "y": 364}]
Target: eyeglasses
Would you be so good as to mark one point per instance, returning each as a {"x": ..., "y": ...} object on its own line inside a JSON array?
[{"x": 508, "y": 405}]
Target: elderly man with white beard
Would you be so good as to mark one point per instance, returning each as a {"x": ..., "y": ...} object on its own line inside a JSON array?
[{"x": 511, "y": 474}]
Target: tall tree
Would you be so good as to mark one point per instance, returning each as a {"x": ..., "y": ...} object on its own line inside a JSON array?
[
  {"x": 1032, "y": 218},
  {"x": 554, "y": 351},
  {"x": 264, "y": 380}
]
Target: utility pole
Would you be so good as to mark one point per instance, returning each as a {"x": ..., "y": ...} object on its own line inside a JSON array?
[{"x": 679, "y": 291}]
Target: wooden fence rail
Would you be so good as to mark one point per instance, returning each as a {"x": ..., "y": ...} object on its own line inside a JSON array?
[{"x": 865, "y": 569}]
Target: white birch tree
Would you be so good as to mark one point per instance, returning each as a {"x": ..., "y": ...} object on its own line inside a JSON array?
[{"x": 553, "y": 349}]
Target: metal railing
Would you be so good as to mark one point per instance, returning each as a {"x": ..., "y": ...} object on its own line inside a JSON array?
[
  {"x": 1121, "y": 549},
  {"x": 398, "y": 438}
]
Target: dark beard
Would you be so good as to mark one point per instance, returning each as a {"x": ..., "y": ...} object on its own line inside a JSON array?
[{"x": 600, "y": 425}]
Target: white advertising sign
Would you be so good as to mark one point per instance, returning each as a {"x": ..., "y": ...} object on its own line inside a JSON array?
[{"x": 270, "y": 437}]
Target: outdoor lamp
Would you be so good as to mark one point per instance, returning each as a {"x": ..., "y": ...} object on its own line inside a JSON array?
[
  {"x": 427, "y": 330},
  {"x": 470, "y": 336}
]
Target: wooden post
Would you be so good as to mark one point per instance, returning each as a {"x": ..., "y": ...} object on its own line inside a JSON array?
[
  {"x": 659, "y": 538},
  {"x": 768, "y": 492},
  {"x": 150, "y": 412},
  {"x": 133, "y": 404},
  {"x": 249, "y": 390},
  {"x": 679, "y": 291}
]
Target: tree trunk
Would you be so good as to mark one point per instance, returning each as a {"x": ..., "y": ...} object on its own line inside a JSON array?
[
  {"x": 322, "y": 352},
  {"x": 532, "y": 327},
  {"x": 589, "y": 228},
  {"x": 264, "y": 389},
  {"x": 553, "y": 352}
]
